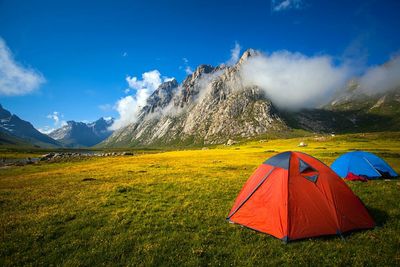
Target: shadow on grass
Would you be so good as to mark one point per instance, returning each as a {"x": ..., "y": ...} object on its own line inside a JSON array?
[{"x": 380, "y": 216}]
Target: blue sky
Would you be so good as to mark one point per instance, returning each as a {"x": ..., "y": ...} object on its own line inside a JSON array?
[{"x": 84, "y": 50}]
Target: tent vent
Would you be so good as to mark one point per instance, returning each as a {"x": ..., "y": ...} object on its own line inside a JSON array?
[
  {"x": 304, "y": 167},
  {"x": 312, "y": 178},
  {"x": 307, "y": 171}
]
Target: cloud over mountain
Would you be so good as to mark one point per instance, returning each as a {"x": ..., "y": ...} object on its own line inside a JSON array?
[
  {"x": 129, "y": 107},
  {"x": 293, "y": 80},
  {"x": 56, "y": 117},
  {"x": 381, "y": 78}
]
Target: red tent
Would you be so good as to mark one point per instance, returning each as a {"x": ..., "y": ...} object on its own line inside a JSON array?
[{"x": 293, "y": 195}]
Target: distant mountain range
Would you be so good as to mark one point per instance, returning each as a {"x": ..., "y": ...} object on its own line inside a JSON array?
[
  {"x": 212, "y": 106},
  {"x": 15, "y": 131},
  {"x": 80, "y": 134}
]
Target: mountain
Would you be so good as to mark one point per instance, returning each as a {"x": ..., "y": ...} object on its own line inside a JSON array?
[
  {"x": 8, "y": 140},
  {"x": 351, "y": 111},
  {"x": 209, "y": 107},
  {"x": 366, "y": 111},
  {"x": 17, "y": 131},
  {"x": 80, "y": 134},
  {"x": 212, "y": 105}
]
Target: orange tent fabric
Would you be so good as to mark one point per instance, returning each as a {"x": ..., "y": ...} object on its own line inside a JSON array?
[{"x": 293, "y": 195}]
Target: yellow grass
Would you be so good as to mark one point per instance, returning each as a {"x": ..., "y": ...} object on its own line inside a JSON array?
[{"x": 170, "y": 208}]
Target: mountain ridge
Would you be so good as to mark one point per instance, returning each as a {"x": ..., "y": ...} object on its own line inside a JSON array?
[
  {"x": 22, "y": 131},
  {"x": 81, "y": 134},
  {"x": 212, "y": 105},
  {"x": 208, "y": 107}
]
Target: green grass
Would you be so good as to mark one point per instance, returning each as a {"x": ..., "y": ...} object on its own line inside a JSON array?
[{"x": 169, "y": 209}]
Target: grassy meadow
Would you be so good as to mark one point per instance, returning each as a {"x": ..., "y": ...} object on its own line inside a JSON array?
[{"x": 169, "y": 208}]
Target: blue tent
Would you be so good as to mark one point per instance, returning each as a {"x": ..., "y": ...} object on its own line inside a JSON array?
[{"x": 362, "y": 163}]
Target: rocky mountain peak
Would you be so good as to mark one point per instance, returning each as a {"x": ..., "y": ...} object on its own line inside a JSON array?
[
  {"x": 102, "y": 122},
  {"x": 248, "y": 54},
  {"x": 74, "y": 122},
  {"x": 168, "y": 85},
  {"x": 200, "y": 70},
  {"x": 160, "y": 97}
]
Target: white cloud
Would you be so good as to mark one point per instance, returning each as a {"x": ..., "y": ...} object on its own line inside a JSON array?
[
  {"x": 168, "y": 79},
  {"x": 150, "y": 80},
  {"x": 293, "y": 80},
  {"x": 58, "y": 122},
  {"x": 57, "y": 118},
  {"x": 16, "y": 79},
  {"x": 128, "y": 110},
  {"x": 46, "y": 129},
  {"x": 188, "y": 70},
  {"x": 54, "y": 116},
  {"x": 129, "y": 107},
  {"x": 105, "y": 107},
  {"x": 381, "y": 78},
  {"x": 280, "y": 5},
  {"x": 235, "y": 54},
  {"x": 107, "y": 119}
]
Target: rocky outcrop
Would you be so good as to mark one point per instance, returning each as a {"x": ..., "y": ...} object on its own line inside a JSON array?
[
  {"x": 59, "y": 157},
  {"x": 68, "y": 156}
]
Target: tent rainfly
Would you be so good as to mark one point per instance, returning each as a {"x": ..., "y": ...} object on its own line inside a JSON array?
[
  {"x": 361, "y": 163},
  {"x": 293, "y": 196}
]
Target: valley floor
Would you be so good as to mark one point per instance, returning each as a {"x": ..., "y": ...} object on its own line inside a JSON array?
[{"x": 169, "y": 209}]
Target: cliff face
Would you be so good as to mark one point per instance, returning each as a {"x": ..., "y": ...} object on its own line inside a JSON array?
[{"x": 210, "y": 106}]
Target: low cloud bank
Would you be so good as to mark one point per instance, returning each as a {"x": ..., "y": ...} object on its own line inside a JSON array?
[
  {"x": 293, "y": 80},
  {"x": 16, "y": 79},
  {"x": 381, "y": 78},
  {"x": 129, "y": 107}
]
